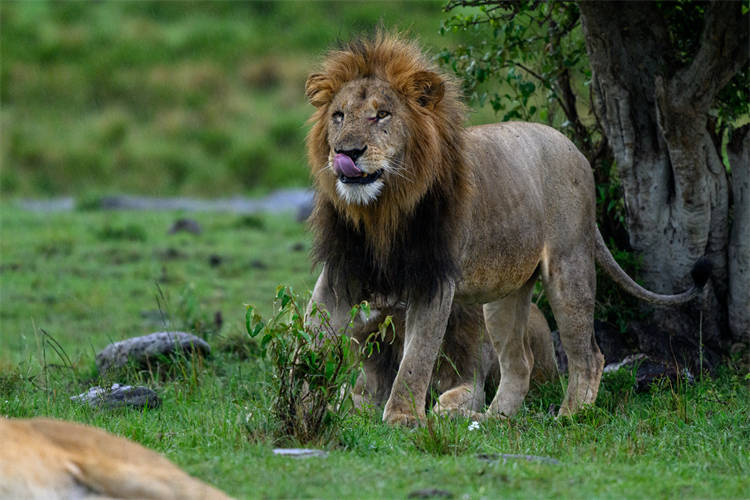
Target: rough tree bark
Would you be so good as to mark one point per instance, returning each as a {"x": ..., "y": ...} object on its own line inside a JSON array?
[
  {"x": 655, "y": 113},
  {"x": 738, "y": 150}
]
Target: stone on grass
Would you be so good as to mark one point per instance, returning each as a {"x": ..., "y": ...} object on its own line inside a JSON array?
[
  {"x": 649, "y": 370},
  {"x": 149, "y": 349},
  {"x": 185, "y": 225},
  {"x": 430, "y": 493},
  {"x": 496, "y": 457},
  {"x": 628, "y": 362},
  {"x": 299, "y": 452},
  {"x": 119, "y": 396}
]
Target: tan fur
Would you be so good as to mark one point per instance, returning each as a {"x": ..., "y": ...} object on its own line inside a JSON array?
[
  {"x": 517, "y": 200},
  {"x": 51, "y": 459}
]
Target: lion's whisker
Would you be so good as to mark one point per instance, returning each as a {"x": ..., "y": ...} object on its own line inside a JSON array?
[
  {"x": 320, "y": 172},
  {"x": 398, "y": 170}
]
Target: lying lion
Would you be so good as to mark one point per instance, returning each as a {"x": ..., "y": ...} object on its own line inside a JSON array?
[
  {"x": 413, "y": 207},
  {"x": 50, "y": 459}
]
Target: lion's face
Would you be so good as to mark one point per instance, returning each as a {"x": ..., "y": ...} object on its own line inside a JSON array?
[{"x": 367, "y": 137}]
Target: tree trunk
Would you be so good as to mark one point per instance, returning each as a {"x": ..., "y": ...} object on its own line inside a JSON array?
[
  {"x": 738, "y": 150},
  {"x": 655, "y": 116}
]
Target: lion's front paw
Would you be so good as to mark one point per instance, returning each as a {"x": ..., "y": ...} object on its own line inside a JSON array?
[
  {"x": 405, "y": 419},
  {"x": 461, "y": 412},
  {"x": 493, "y": 413}
]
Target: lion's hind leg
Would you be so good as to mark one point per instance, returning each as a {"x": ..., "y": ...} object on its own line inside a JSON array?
[
  {"x": 570, "y": 283},
  {"x": 465, "y": 363},
  {"x": 540, "y": 338},
  {"x": 507, "y": 323}
]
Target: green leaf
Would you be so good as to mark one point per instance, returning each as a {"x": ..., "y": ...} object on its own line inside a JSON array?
[
  {"x": 248, "y": 319},
  {"x": 266, "y": 339},
  {"x": 301, "y": 333}
]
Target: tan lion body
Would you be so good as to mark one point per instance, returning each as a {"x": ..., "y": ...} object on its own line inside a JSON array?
[
  {"x": 413, "y": 209},
  {"x": 50, "y": 459}
]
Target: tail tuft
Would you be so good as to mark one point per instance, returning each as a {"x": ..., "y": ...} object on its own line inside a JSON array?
[{"x": 701, "y": 271}]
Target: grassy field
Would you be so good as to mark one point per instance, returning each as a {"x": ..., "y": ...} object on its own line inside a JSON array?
[
  {"x": 206, "y": 99},
  {"x": 87, "y": 278},
  {"x": 163, "y": 98}
]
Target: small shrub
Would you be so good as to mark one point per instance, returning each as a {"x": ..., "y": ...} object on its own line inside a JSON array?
[{"x": 314, "y": 368}]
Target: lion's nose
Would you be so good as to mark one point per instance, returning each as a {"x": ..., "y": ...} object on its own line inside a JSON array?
[{"x": 354, "y": 154}]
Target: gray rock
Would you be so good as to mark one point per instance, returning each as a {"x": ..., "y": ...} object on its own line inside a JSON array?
[
  {"x": 627, "y": 362},
  {"x": 185, "y": 225},
  {"x": 430, "y": 493},
  {"x": 649, "y": 370},
  {"x": 149, "y": 349},
  {"x": 496, "y": 457},
  {"x": 299, "y": 452},
  {"x": 119, "y": 396}
]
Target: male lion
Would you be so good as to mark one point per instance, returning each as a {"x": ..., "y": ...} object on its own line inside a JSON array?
[
  {"x": 49, "y": 459},
  {"x": 411, "y": 207}
]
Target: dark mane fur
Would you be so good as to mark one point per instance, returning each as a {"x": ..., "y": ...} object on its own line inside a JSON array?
[{"x": 421, "y": 259}]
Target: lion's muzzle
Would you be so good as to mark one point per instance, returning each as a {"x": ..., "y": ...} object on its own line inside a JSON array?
[
  {"x": 344, "y": 165},
  {"x": 350, "y": 173}
]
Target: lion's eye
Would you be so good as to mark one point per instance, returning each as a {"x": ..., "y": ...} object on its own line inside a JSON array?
[
  {"x": 337, "y": 117},
  {"x": 382, "y": 114}
]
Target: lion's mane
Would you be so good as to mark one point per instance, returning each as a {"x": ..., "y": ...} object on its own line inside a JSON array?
[{"x": 404, "y": 244}]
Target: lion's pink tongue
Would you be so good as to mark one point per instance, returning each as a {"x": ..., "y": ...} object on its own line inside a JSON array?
[{"x": 342, "y": 164}]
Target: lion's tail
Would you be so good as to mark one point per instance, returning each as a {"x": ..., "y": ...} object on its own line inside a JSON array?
[{"x": 700, "y": 273}]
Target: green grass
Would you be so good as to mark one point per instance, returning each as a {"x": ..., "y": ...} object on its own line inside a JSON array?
[
  {"x": 199, "y": 98},
  {"x": 90, "y": 277}
]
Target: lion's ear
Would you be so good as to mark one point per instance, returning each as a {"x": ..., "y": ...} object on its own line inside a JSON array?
[
  {"x": 429, "y": 87},
  {"x": 318, "y": 89}
]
